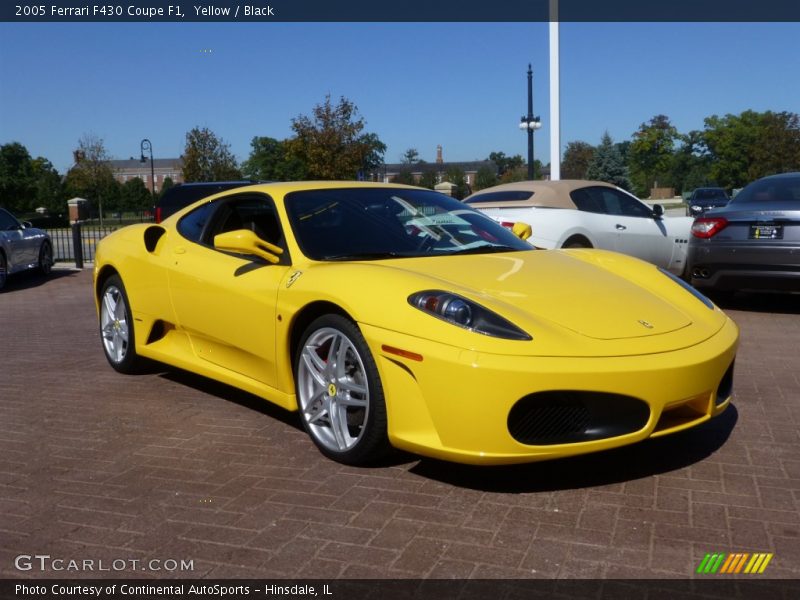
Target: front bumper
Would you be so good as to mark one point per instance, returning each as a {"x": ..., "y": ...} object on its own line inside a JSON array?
[{"x": 454, "y": 404}]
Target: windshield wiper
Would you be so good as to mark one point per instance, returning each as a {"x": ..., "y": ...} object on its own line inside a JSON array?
[{"x": 488, "y": 250}]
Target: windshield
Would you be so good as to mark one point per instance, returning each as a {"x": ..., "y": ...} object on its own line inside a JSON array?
[
  {"x": 711, "y": 194},
  {"x": 770, "y": 189},
  {"x": 373, "y": 223}
]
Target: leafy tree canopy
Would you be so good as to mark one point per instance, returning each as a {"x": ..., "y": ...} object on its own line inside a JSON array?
[
  {"x": 208, "y": 158},
  {"x": 607, "y": 164},
  {"x": 271, "y": 160},
  {"x": 651, "y": 153},
  {"x": 332, "y": 144},
  {"x": 577, "y": 157}
]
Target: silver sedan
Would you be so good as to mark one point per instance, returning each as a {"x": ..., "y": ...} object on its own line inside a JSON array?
[
  {"x": 22, "y": 247},
  {"x": 753, "y": 243}
]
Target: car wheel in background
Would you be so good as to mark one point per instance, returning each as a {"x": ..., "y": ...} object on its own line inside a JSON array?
[
  {"x": 116, "y": 327},
  {"x": 339, "y": 392},
  {"x": 45, "y": 258},
  {"x": 577, "y": 242}
]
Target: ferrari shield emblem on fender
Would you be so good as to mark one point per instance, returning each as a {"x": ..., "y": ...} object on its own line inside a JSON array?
[
  {"x": 292, "y": 278},
  {"x": 645, "y": 324}
]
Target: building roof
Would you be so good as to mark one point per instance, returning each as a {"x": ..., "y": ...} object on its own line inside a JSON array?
[{"x": 135, "y": 163}]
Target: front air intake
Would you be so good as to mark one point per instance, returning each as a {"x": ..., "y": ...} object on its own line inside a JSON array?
[{"x": 564, "y": 417}]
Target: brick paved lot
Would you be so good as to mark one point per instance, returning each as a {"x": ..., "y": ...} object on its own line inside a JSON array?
[{"x": 165, "y": 465}]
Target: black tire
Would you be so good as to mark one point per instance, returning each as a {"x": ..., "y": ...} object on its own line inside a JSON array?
[
  {"x": 3, "y": 270},
  {"x": 45, "y": 258},
  {"x": 577, "y": 243},
  {"x": 342, "y": 407},
  {"x": 116, "y": 327}
]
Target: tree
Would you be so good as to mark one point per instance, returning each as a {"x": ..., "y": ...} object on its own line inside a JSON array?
[
  {"x": 271, "y": 160},
  {"x": 332, "y": 144},
  {"x": 168, "y": 183},
  {"x": 135, "y": 196},
  {"x": 207, "y": 157},
  {"x": 457, "y": 177},
  {"x": 691, "y": 165},
  {"x": 410, "y": 157},
  {"x": 751, "y": 145},
  {"x": 49, "y": 191},
  {"x": 520, "y": 173},
  {"x": 607, "y": 164},
  {"x": 17, "y": 185},
  {"x": 428, "y": 179},
  {"x": 485, "y": 178},
  {"x": 404, "y": 176},
  {"x": 91, "y": 177},
  {"x": 506, "y": 163},
  {"x": 651, "y": 154},
  {"x": 577, "y": 157}
]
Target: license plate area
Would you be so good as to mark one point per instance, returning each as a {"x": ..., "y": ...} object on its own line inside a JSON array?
[{"x": 766, "y": 231}]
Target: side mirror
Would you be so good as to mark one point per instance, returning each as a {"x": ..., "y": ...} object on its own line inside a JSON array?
[
  {"x": 522, "y": 230},
  {"x": 244, "y": 241},
  {"x": 27, "y": 225},
  {"x": 658, "y": 211}
]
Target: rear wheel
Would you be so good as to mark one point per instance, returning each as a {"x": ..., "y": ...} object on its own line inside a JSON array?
[
  {"x": 339, "y": 392},
  {"x": 46, "y": 258},
  {"x": 116, "y": 327},
  {"x": 577, "y": 242}
]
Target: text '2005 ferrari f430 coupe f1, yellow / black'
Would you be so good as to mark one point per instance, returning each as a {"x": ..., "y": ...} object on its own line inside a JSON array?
[{"x": 392, "y": 316}]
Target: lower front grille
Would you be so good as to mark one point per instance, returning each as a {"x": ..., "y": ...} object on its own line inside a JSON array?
[{"x": 562, "y": 417}]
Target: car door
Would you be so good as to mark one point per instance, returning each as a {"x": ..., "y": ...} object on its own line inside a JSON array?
[
  {"x": 639, "y": 233},
  {"x": 226, "y": 302},
  {"x": 19, "y": 247}
]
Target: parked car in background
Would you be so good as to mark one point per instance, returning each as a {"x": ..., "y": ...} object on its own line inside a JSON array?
[
  {"x": 706, "y": 198},
  {"x": 183, "y": 194},
  {"x": 22, "y": 247},
  {"x": 753, "y": 242},
  {"x": 589, "y": 214}
]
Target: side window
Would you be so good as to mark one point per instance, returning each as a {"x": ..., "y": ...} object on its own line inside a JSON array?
[
  {"x": 626, "y": 206},
  {"x": 192, "y": 225},
  {"x": 588, "y": 200},
  {"x": 255, "y": 213}
]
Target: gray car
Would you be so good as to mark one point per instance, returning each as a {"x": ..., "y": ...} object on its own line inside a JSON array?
[
  {"x": 753, "y": 242},
  {"x": 22, "y": 247}
]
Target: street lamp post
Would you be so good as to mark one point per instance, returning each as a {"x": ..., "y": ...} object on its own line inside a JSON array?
[
  {"x": 146, "y": 145},
  {"x": 530, "y": 123}
]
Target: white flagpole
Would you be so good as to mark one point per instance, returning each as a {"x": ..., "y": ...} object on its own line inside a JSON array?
[{"x": 555, "y": 102}]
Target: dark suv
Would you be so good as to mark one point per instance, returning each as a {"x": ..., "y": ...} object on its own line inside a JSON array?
[{"x": 184, "y": 194}]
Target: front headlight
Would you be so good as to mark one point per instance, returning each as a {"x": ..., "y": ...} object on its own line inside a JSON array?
[
  {"x": 465, "y": 313},
  {"x": 688, "y": 288}
]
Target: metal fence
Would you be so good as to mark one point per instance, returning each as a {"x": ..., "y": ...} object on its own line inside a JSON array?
[{"x": 77, "y": 244}]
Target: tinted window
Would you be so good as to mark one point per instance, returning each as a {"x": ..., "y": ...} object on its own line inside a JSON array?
[
  {"x": 191, "y": 226},
  {"x": 372, "y": 223},
  {"x": 771, "y": 189},
  {"x": 609, "y": 201},
  {"x": 7, "y": 221},
  {"x": 507, "y": 196},
  {"x": 710, "y": 194}
]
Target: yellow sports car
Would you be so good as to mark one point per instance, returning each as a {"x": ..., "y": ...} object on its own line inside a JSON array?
[{"x": 392, "y": 316}]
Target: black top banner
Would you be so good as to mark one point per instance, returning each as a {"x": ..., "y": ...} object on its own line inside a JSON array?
[{"x": 407, "y": 11}]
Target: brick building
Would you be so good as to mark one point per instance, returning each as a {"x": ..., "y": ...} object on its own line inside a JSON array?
[{"x": 162, "y": 168}]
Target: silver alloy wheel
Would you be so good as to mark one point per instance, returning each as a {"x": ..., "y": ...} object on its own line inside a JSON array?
[
  {"x": 114, "y": 324},
  {"x": 333, "y": 389}
]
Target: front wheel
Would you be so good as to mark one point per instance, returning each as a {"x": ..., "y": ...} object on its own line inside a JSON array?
[
  {"x": 339, "y": 392},
  {"x": 116, "y": 327},
  {"x": 45, "y": 258}
]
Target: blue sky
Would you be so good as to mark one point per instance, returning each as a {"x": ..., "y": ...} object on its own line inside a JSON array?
[{"x": 416, "y": 84}]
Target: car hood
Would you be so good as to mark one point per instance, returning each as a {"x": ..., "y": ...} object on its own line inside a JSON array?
[{"x": 576, "y": 302}]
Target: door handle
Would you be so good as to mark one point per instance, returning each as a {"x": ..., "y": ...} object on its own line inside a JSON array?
[{"x": 621, "y": 227}]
